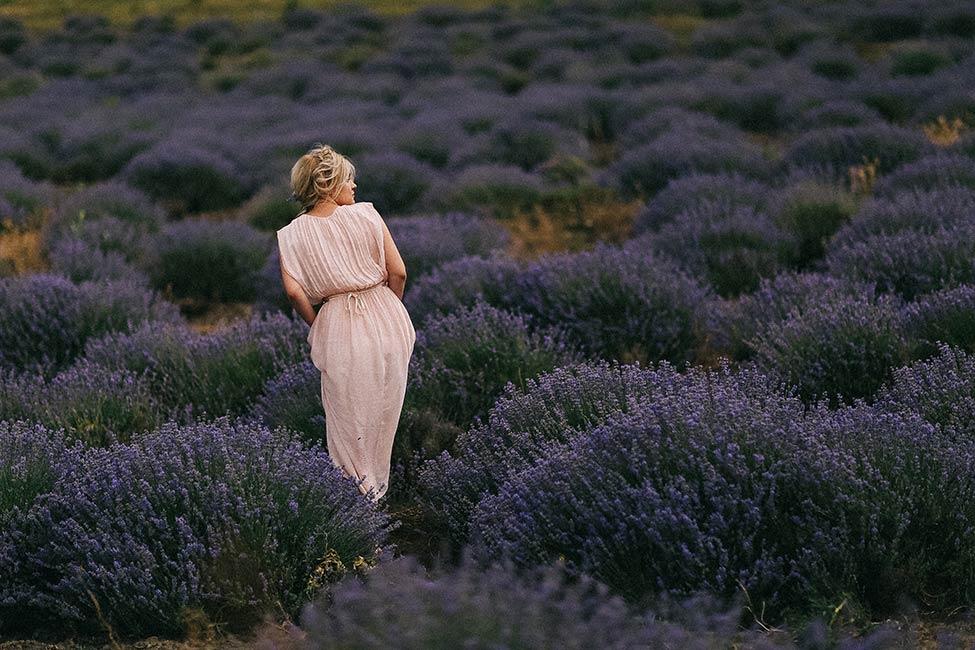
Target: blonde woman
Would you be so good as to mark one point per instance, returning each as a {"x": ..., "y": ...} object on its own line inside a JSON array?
[{"x": 340, "y": 253}]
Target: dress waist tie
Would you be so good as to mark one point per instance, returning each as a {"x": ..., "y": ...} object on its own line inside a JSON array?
[{"x": 354, "y": 299}]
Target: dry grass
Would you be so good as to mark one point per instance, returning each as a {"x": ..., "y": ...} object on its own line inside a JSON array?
[
  {"x": 20, "y": 251},
  {"x": 558, "y": 228}
]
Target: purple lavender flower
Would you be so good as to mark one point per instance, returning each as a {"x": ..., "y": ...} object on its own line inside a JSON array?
[
  {"x": 718, "y": 482},
  {"x": 946, "y": 316},
  {"x": 839, "y": 148},
  {"x": 916, "y": 210},
  {"x": 426, "y": 242},
  {"x": 46, "y": 318},
  {"x": 227, "y": 516},
  {"x": 208, "y": 260},
  {"x": 909, "y": 263},
  {"x": 929, "y": 173},
  {"x": 689, "y": 191},
  {"x": 463, "y": 360}
]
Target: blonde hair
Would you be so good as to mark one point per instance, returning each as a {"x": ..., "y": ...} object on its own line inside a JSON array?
[{"x": 318, "y": 174}]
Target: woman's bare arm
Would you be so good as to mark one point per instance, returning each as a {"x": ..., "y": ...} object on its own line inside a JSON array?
[
  {"x": 395, "y": 267},
  {"x": 297, "y": 297}
]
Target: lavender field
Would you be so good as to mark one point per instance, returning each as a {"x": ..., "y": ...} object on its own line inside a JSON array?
[{"x": 693, "y": 284}]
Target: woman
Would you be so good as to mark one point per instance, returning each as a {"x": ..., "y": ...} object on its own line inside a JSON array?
[{"x": 340, "y": 252}]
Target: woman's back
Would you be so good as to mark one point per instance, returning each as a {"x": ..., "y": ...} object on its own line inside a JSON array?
[{"x": 334, "y": 254}]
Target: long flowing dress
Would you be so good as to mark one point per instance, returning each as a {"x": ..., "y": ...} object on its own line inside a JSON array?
[{"x": 361, "y": 340}]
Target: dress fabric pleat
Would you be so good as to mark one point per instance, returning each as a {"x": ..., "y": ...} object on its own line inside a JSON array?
[{"x": 361, "y": 340}]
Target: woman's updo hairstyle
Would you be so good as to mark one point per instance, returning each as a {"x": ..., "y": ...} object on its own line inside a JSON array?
[{"x": 318, "y": 175}]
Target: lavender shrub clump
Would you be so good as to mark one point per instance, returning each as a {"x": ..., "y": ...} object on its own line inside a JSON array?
[
  {"x": 941, "y": 389},
  {"x": 923, "y": 211},
  {"x": 733, "y": 247},
  {"x": 619, "y": 303},
  {"x": 839, "y": 148},
  {"x": 946, "y": 316},
  {"x": 96, "y": 405},
  {"x": 32, "y": 460},
  {"x": 395, "y": 181},
  {"x": 929, "y": 173},
  {"x": 111, "y": 215},
  {"x": 527, "y": 425},
  {"x": 186, "y": 178},
  {"x": 226, "y": 516},
  {"x": 473, "y": 608},
  {"x": 426, "y": 242},
  {"x": 742, "y": 319},
  {"x": 293, "y": 399},
  {"x": 462, "y": 283},
  {"x": 463, "y": 360},
  {"x": 80, "y": 262},
  {"x": 910, "y": 262},
  {"x": 645, "y": 170},
  {"x": 498, "y": 189},
  {"x": 206, "y": 260},
  {"x": 718, "y": 485},
  {"x": 46, "y": 319},
  {"x": 916, "y": 479},
  {"x": 204, "y": 376},
  {"x": 690, "y": 190},
  {"x": 841, "y": 350},
  {"x": 23, "y": 200}
]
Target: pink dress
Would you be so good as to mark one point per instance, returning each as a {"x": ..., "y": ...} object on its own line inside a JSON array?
[{"x": 361, "y": 340}]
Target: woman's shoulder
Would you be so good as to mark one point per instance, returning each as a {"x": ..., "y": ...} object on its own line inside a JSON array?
[
  {"x": 365, "y": 205},
  {"x": 369, "y": 210}
]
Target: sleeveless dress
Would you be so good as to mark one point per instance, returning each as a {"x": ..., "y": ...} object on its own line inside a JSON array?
[{"x": 361, "y": 340}]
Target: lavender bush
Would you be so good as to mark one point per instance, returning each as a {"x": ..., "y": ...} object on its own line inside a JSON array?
[
  {"x": 775, "y": 299},
  {"x": 96, "y": 405},
  {"x": 527, "y": 425},
  {"x": 946, "y": 316},
  {"x": 394, "y": 181},
  {"x": 227, "y": 516},
  {"x": 463, "y": 360},
  {"x": 209, "y": 375},
  {"x": 908, "y": 210},
  {"x": 80, "y": 262},
  {"x": 941, "y": 389},
  {"x": 909, "y": 263},
  {"x": 732, "y": 246},
  {"x": 498, "y": 189},
  {"x": 811, "y": 213},
  {"x": 645, "y": 170},
  {"x": 623, "y": 303},
  {"x": 718, "y": 485},
  {"x": 841, "y": 350},
  {"x": 930, "y": 173},
  {"x": 915, "y": 481},
  {"x": 462, "y": 283},
  {"x": 207, "y": 260},
  {"x": 185, "y": 178},
  {"x": 691, "y": 190},
  {"x": 497, "y": 607},
  {"x": 837, "y": 112},
  {"x": 32, "y": 460},
  {"x": 839, "y": 148},
  {"x": 24, "y": 201},
  {"x": 46, "y": 319},
  {"x": 426, "y": 242},
  {"x": 111, "y": 213},
  {"x": 293, "y": 399}
]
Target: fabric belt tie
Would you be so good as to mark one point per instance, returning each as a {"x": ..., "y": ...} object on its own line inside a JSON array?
[{"x": 354, "y": 303}]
